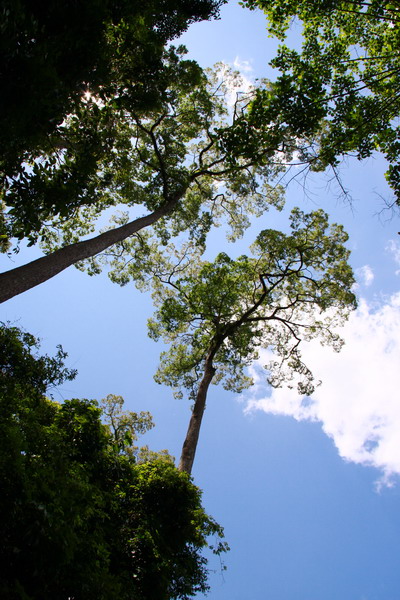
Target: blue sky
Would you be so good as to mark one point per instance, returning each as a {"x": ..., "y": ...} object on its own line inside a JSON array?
[{"x": 308, "y": 495}]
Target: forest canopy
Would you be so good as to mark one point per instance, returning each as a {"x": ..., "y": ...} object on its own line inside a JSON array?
[
  {"x": 126, "y": 156},
  {"x": 84, "y": 513}
]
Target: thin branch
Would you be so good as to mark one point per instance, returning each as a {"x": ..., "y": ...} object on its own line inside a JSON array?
[{"x": 150, "y": 133}]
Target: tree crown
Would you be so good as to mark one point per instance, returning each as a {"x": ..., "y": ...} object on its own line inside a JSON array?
[{"x": 295, "y": 287}]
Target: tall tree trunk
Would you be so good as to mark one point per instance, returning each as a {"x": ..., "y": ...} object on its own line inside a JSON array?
[
  {"x": 23, "y": 278},
  {"x": 192, "y": 435}
]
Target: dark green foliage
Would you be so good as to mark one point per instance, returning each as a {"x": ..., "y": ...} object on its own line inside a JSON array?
[
  {"x": 79, "y": 518},
  {"x": 52, "y": 52},
  {"x": 166, "y": 526}
]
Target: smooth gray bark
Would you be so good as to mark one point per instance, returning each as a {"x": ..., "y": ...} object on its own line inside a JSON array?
[
  {"x": 192, "y": 435},
  {"x": 24, "y": 278}
]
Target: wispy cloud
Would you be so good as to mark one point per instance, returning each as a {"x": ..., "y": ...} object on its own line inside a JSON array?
[
  {"x": 393, "y": 247},
  {"x": 244, "y": 66},
  {"x": 366, "y": 275},
  {"x": 358, "y": 403}
]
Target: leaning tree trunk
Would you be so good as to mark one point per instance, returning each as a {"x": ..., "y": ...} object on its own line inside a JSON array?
[
  {"x": 192, "y": 435},
  {"x": 24, "y": 278}
]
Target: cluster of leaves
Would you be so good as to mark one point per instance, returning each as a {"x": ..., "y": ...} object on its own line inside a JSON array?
[
  {"x": 343, "y": 86},
  {"x": 80, "y": 517},
  {"x": 91, "y": 160}
]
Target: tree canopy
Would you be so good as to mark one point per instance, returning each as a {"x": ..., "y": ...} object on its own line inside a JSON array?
[
  {"x": 101, "y": 116},
  {"x": 81, "y": 517},
  {"x": 182, "y": 165},
  {"x": 52, "y": 54},
  {"x": 343, "y": 86},
  {"x": 174, "y": 157},
  {"x": 216, "y": 316}
]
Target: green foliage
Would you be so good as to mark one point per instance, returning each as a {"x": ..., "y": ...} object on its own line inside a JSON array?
[
  {"x": 171, "y": 156},
  {"x": 124, "y": 426},
  {"x": 168, "y": 521},
  {"x": 90, "y": 163},
  {"x": 343, "y": 87},
  {"x": 295, "y": 287},
  {"x": 70, "y": 74},
  {"x": 79, "y": 517},
  {"x": 24, "y": 373},
  {"x": 52, "y": 53}
]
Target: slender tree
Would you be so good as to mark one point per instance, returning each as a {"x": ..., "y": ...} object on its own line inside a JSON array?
[{"x": 217, "y": 315}]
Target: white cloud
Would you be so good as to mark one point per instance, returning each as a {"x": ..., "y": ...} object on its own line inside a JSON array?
[
  {"x": 366, "y": 275},
  {"x": 358, "y": 403},
  {"x": 393, "y": 247},
  {"x": 243, "y": 66}
]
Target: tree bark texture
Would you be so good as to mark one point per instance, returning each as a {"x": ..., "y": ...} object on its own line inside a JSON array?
[
  {"x": 23, "y": 278},
  {"x": 192, "y": 435}
]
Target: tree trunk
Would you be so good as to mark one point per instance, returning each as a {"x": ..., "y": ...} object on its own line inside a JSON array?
[
  {"x": 23, "y": 278},
  {"x": 192, "y": 435}
]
